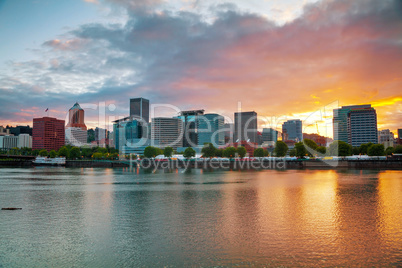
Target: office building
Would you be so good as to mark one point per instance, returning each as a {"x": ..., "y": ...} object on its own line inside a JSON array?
[
  {"x": 190, "y": 128},
  {"x": 4, "y": 131},
  {"x": 386, "y": 138},
  {"x": 17, "y": 130},
  {"x": 24, "y": 141},
  {"x": 245, "y": 127},
  {"x": 139, "y": 109},
  {"x": 128, "y": 136},
  {"x": 8, "y": 142},
  {"x": 76, "y": 136},
  {"x": 229, "y": 132},
  {"x": 48, "y": 133},
  {"x": 292, "y": 130},
  {"x": 362, "y": 125},
  {"x": 167, "y": 132},
  {"x": 211, "y": 130},
  {"x": 100, "y": 134},
  {"x": 318, "y": 139},
  {"x": 269, "y": 135},
  {"x": 355, "y": 124},
  {"x": 76, "y": 117}
]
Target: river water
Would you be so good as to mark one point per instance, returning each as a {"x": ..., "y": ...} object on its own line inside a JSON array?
[{"x": 122, "y": 218}]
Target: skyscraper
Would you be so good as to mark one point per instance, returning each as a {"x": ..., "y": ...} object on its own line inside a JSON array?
[
  {"x": 245, "y": 127},
  {"x": 167, "y": 132},
  {"x": 362, "y": 125},
  {"x": 76, "y": 130},
  {"x": 48, "y": 133},
  {"x": 292, "y": 130},
  {"x": 139, "y": 107},
  {"x": 210, "y": 130},
  {"x": 190, "y": 133},
  {"x": 269, "y": 134}
]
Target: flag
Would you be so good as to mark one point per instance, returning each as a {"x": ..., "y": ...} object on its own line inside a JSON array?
[{"x": 46, "y": 109}]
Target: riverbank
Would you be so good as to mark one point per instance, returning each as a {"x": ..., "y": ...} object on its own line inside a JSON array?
[{"x": 227, "y": 164}]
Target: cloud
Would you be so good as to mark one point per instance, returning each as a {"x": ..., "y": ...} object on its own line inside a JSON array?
[{"x": 349, "y": 51}]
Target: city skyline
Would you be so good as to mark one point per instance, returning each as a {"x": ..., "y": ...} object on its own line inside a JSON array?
[{"x": 279, "y": 59}]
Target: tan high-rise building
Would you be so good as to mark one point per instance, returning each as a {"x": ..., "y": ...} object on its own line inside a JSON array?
[{"x": 76, "y": 117}]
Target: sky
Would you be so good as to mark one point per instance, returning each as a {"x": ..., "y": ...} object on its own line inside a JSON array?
[{"x": 284, "y": 59}]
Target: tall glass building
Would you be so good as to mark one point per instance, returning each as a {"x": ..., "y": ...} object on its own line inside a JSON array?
[
  {"x": 167, "y": 132},
  {"x": 269, "y": 134},
  {"x": 245, "y": 127},
  {"x": 292, "y": 130},
  {"x": 190, "y": 133},
  {"x": 139, "y": 107},
  {"x": 210, "y": 130},
  {"x": 356, "y": 124}
]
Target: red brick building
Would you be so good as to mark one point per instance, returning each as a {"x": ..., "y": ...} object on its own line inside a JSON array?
[{"x": 48, "y": 133}]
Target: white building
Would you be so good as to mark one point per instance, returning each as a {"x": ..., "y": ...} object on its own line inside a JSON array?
[
  {"x": 167, "y": 132},
  {"x": 76, "y": 136},
  {"x": 24, "y": 140},
  {"x": 8, "y": 142},
  {"x": 386, "y": 137}
]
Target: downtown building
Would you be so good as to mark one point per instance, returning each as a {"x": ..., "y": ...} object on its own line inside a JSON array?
[
  {"x": 269, "y": 136},
  {"x": 211, "y": 130},
  {"x": 76, "y": 130},
  {"x": 292, "y": 130},
  {"x": 167, "y": 132},
  {"x": 245, "y": 127},
  {"x": 10, "y": 140},
  {"x": 191, "y": 125},
  {"x": 356, "y": 124},
  {"x": 48, "y": 133},
  {"x": 386, "y": 138}
]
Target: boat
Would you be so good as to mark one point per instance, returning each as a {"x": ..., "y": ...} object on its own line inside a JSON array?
[{"x": 46, "y": 161}]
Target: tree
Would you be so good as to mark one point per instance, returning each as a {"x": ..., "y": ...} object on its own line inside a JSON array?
[
  {"x": 376, "y": 150},
  {"x": 281, "y": 148},
  {"x": 102, "y": 150},
  {"x": 97, "y": 156},
  {"x": 63, "y": 151},
  {"x": 364, "y": 147},
  {"x": 300, "y": 150},
  {"x": 340, "y": 148},
  {"x": 86, "y": 152},
  {"x": 241, "y": 151},
  {"x": 150, "y": 152},
  {"x": 52, "y": 154},
  {"x": 208, "y": 150},
  {"x": 230, "y": 152},
  {"x": 389, "y": 151},
  {"x": 292, "y": 152},
  {"x": 321, "y": 149},
  {"x": 219, "y": 153},
  {"x": 43, "y": 152},
  {"x": 259, "y": 152},
  {"x": 35, "y": 152},
  {"x": 168, "y": 151},
  {"x": 311, "y": 146},
  {"x": 356, "y": 150},
  {"x": 75, "y": 153},
  {"x": 189, "y": 152},
  {"x": 398, "y": 149},
  {"x": 266, "y": 153}
]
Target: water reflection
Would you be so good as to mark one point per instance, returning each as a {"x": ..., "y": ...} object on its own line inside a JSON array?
[{"x": 118, "y": 217}]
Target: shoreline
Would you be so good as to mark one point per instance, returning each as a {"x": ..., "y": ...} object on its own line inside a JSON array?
[{"x": 223, "y": 165}]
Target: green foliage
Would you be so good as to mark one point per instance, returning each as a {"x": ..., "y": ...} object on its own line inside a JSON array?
[
  {"x": 321, "y": 149},
  {"x": 376, "y": 150},
  {"x": 230, "y": 152},
  {"x": 86, "y": 152},
  {"x": 292, "y": 152},
  {"x": 74, "y": 153},
  {"x": 97, "y": 156},
  {"x": 259, "y": 152},
  {"x": 208, "y": 150},
  {"x": 35, "y": 152},
  {"x": 168, "y": 151},
  {"x": 241, "y": 151},
  {"x": 300, "y": 150},
  {"x": 151, "y": 151},
  {"x": 311, "y": 144},
  {"x": 340, "y": 148},
  {"x": 52, "y": 154},
  {"x": 43, "y": 152},
  {"x": 281, "y": 148},
  {"x": 365, "y": 147},
  {"x": 189, "y": 152},
  {"x": 101, "y": 150},
  {"x": 63, "y": 151},
  {"x": 398, "y": 149},
  {"x": 356, "y": 150},
  {"x": 389, "y": 151},
  {"x": 266, "y": 153},
  {"x": 219, "y": 153}
]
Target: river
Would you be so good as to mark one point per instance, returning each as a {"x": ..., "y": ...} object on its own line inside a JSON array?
[{"x": 97, "y": 217}]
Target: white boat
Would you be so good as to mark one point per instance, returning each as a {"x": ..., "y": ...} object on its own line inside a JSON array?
[{"x": 46, "y": 161}]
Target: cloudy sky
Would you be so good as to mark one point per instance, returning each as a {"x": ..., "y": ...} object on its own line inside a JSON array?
[{"x": 282, "y": 58}]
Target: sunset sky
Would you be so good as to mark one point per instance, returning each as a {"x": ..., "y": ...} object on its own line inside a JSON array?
[{"x": 281, "y": 58}]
